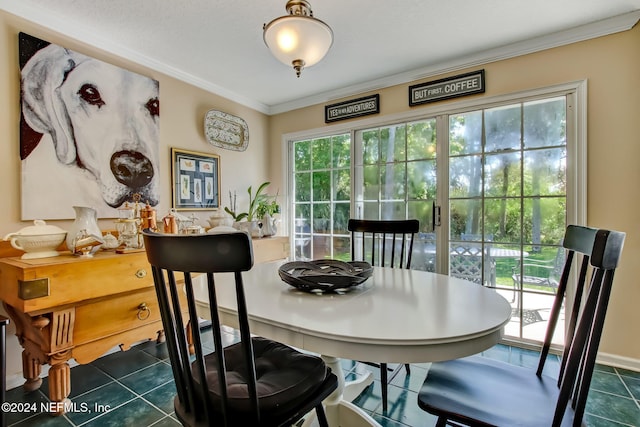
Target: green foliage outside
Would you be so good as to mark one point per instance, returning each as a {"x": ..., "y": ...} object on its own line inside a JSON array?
[{"x": 507, "y": 168}]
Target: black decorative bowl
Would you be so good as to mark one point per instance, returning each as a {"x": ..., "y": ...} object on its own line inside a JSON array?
[{"x": 325, "y": 275}]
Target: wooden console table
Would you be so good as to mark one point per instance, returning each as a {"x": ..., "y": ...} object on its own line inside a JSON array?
[{"x": 70, "y": 307}]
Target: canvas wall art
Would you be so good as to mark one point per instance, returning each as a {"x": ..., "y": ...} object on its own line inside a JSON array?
[{"x": 89, "y": 133}]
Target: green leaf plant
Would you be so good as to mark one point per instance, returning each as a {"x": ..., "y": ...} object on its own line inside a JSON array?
[{"x": 255, "y": 201}]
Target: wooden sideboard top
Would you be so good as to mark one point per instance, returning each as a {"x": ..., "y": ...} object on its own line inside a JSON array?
[{"x": 72, "y": 279}]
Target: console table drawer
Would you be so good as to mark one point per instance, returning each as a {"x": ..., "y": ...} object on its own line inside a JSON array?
[
  {"x": 117, "y": 314},
  {"x": 71, "y": 279}
]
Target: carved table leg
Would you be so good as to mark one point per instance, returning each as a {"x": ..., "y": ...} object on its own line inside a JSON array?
[
  {"x": 31, "y": 372},
  {"x": 59, "y": 386}
]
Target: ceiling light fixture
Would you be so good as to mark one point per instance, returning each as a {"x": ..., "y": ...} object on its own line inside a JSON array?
[{"x": 298, "y": 39}]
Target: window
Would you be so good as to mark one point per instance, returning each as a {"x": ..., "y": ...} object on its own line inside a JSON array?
[
  {"x": 322, "y": 197},
  {"x": 493, "y": 183}
]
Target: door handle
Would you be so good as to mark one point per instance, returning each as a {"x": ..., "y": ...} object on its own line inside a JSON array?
[{"x": 435, "y": 217}]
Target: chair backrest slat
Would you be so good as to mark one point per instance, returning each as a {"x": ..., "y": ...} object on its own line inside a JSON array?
[
  {"x": 577, "y": 240},
  {"x": 583, "y": 346},
  {"x": 383, "y": 233}
]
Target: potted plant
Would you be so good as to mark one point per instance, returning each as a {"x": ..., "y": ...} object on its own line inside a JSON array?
[
  {"x": 259, "y": 205},
  {"x": 267, "y": 208},
  {"x": 254, "y": 201}
]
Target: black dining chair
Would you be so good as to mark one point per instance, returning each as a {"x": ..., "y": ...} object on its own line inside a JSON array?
[
  {"x": 385, "y": 244},
  {"x": 254, "y": 382},
  {"x": 480, "y": 391}
]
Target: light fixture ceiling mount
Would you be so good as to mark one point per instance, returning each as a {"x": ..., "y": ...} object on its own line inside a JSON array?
[{"x": 298, "y": 39}]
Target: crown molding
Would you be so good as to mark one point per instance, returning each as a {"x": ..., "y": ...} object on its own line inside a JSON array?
[
  {"x": 596, "y": 29},
  {"x": 601, "y": 28}
]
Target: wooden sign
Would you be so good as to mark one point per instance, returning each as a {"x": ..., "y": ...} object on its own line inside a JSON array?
[
  {"x": 451, "y": 87},
  {"x": 354, "y": 108}
]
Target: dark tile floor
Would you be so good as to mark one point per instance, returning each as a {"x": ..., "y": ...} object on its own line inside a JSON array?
[{"x": 135, "y": 388}]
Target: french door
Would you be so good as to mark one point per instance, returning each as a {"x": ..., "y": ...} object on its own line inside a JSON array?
[{"x": 489, "y": 185}]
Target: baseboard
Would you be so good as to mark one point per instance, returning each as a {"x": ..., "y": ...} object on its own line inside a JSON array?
[
  {"x": 14, "y": 381},
  {"x": 619, "y": 361}
]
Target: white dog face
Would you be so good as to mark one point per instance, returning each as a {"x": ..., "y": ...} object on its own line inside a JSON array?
[{"x": 101, "y": 118}]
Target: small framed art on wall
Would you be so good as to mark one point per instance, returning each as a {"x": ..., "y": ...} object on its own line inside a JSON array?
[{"x": 195, "y": 180}]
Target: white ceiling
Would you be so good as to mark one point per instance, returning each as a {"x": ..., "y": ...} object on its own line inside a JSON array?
[{"x": 217, "y": 45}]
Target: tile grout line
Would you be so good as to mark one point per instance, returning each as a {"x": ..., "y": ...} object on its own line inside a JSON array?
[
  {"x": 637, "y": 402},
  {"x": 135, "y": 394}
]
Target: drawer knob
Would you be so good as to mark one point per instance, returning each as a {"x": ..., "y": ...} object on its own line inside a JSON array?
[
  {"x": 143, "y": 311},
  {"x": 140, "y": 274}
]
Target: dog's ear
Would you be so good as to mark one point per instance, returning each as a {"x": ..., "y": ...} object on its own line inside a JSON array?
[{"x": 42, "y": 105}]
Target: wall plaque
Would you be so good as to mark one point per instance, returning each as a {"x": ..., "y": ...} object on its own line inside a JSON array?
[
  {"x": 354, "y": 108},
  {"x": 451, "y": 87}
]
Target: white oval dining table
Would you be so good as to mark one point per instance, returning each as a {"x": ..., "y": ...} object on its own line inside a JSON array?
[{"x": 396, "y": 316}]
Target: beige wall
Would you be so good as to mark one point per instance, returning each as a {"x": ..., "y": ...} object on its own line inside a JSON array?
[
  {"x": 611, "y": 65},
  {"x": 181, "y": 125}
]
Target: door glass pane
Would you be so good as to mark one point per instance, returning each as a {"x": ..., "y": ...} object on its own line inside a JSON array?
[
  {"x": 370, "y": 147},
  {"x": 371, "y": 179},
  {"x": 421, "y": 180},
  {"x": 322, "y": 186},
  {"x": 392, "y": 144},
  {"x": 392, "y": 181},
  {"x": 341, "y": 214},
  {"x": 465, "y": 217},
  {"x": 545, "y": 123},
  {"x": 465, "y": 133},
  {"x": 302, "y": 186},
  {"x": 342, "y": 184},
  {"x": 302, "y": 156},
  {"x": 321, "y": 151},
  {"x": 342, "y": 248},
  {"x": 500, "y": 221},
  {"x": 421, "y": 140},
  {"x": 321, "y": 218},
  {"x": 393, "y": 210},
  {"x": 465, "y": 176},
  {"x": 545, "y": 172},
  {"x": 341, "y": 151},
  {"x": 420, "y": 209},
  {"x": 503, "y": 128},
  {"x": 502, "y": 175},
  {"x": 424, "y": 252},
  {"x": 544, "y": 219}
]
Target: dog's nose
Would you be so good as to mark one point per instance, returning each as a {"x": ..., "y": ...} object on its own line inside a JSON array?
[{"x": 131, "y": 168}]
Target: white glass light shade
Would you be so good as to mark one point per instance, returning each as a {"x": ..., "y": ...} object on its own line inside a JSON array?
[{"x": 298, "y": 38}]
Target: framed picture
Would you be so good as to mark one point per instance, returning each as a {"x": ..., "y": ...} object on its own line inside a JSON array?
[{"x": 196, "y": 180}]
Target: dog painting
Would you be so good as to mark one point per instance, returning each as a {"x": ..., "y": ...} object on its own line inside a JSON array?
[{"x": 89, "y": 133}]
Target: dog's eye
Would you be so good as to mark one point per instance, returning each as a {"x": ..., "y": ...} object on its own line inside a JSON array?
[
  {"x": 90, "y": 94},
  {"x": 153, "y": 105}
]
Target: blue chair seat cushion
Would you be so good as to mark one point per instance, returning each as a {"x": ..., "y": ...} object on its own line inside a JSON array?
[
  {"x": 491, "y": 393},
  {"x": 285, "y": 378}
]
